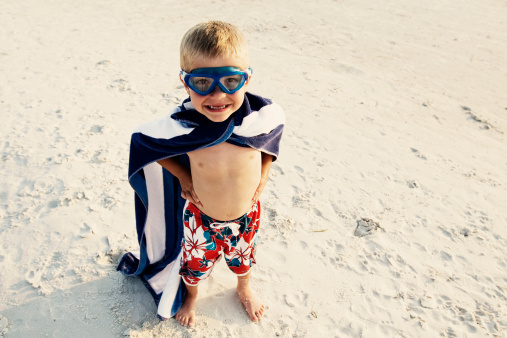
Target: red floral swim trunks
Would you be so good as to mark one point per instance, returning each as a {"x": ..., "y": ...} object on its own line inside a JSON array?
[{"x": 204, "y": 240}]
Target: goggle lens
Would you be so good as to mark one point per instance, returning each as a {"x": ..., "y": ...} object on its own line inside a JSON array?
[
  {"x": 200, "y": 83},
  {"x": 232, "y": 82}
]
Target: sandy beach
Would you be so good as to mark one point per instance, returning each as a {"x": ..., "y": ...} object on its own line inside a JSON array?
[{"x": 384, "y": 215}]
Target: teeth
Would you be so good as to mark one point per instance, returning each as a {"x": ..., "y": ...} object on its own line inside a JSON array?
[{"x": 218, "y": 107}]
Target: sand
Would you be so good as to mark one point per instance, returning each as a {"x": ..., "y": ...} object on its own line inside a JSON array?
[{"x": 396, "y": 114}]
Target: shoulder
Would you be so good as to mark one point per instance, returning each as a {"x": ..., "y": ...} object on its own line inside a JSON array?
[
  {"x": 263, "y": 108},
  {"x": 256, "y": 101},
  {"x": 164, "y": 127},
  {"x": 264, "y": 116},
  {"x": 261, "y": 104}
]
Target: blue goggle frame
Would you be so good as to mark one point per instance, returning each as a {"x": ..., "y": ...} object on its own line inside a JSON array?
[{"x": 216, "y": 73}]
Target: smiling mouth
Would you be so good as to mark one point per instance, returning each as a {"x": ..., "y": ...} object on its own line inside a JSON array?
[{"x": 218, "y": 107}]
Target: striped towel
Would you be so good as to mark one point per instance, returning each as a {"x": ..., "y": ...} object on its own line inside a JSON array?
[{"x": 159, "y": 206}]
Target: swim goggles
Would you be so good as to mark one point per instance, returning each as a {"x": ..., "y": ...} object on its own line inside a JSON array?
[{"x": 204, "y": 80}]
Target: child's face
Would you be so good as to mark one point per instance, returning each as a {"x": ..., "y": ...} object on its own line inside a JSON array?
[{"x": 217, "y": 106}]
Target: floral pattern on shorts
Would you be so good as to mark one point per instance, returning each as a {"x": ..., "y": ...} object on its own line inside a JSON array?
[{"x": 206, "y": 239}]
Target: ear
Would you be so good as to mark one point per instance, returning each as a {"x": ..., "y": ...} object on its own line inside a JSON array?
[
  {"x": 250, "y": 72},
  {"x": 185, "y": 85},
  {"x": 248, "y": 81}
]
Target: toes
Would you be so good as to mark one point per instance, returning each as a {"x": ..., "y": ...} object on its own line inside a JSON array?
[
  {"x": 256, "y": 316},
  {"x": 187, "y": 321},
  {"x": 182, "y": 320},
  {"x": 260, "y": 312}
]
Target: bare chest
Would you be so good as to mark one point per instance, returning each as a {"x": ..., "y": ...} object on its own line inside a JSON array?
[
  {"x": 224, "y": 156},
  {"x": 225, "y": 178}
]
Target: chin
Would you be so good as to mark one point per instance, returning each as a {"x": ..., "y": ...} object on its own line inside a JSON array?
[{"x": 218, "y": 117}]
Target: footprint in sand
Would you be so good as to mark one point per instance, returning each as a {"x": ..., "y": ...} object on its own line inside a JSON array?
[
  {"x": 450, "y": 333},
  {"x": 120, "y": 85},
  {"x": 472, "y": 116},
  {"x": 4, "y": 323},
  {"x": 103, "y": 63},
  {"x": 276, "y": 170},
  {"x": 96, "y": 129},
  {"x": 86, "y": 231},
  {"x": 413, "y": 184},
  {"x": 419, "y": 154},
  {"x": 299, "y": 298},
  {"x": 272, "y": 213}
]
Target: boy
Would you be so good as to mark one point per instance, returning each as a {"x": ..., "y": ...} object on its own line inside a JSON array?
[{"x": 231, "y": 137}]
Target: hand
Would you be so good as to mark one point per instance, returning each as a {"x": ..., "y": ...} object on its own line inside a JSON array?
[
  {"x": 183, "y": 174},
  {"x": 259, "y": 190},
  {"x": 187, "y": 190},
  {"x": 266, "y": 165}
]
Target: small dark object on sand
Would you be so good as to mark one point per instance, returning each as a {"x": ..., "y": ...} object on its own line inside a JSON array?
[{"x": 366, "y": 226}]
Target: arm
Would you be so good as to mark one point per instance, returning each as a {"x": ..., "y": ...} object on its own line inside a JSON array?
[
  {"x": 183, "y": 174},
  {"x": 266, "y": 165}
]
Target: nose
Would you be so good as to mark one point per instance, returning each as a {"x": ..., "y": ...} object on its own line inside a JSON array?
[{"x": 217, "y": 91}]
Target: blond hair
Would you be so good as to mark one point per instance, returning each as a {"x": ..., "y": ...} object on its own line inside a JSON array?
[{"x": 212, "y": 39}]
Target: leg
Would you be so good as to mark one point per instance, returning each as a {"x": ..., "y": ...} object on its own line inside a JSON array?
[
  {"x": 186, "y": 315},
  {"x": 252, "y": 305},
  {"x": 194, "y": 268}
]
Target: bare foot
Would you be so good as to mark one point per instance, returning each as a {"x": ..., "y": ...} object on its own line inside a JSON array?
[
  {"x": 252, "y": 305},
  {"x": 186, "y": 315}
]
